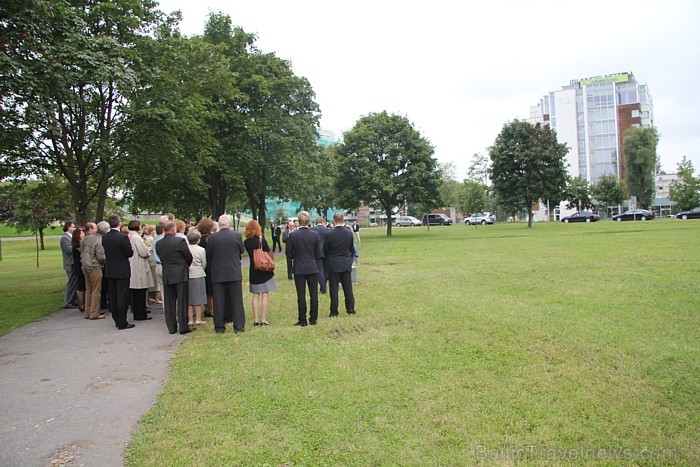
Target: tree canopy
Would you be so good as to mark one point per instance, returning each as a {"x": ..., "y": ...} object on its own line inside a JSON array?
[
  {"x": 608, "y": 191},
  {"x": 686, "y": 191},
  {"x": 527, "y": 165},
  {"x": 384, "y": 161},
  {"x": 64, "y": 80},
  {"x": 639, "y": 148}
]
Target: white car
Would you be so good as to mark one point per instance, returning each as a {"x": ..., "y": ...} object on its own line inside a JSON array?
[
  {"x": 407, "y": 221},
  {"x": 480, "y": 218}
]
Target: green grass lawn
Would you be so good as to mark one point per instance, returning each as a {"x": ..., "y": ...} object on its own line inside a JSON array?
[
  {"x": 560, "y": 343},
  {"x": 28, "y": 292},
  {"x": 498, "y": 343}
]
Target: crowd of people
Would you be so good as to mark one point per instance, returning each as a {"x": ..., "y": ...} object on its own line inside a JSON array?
[{"x": 195, "y": 271}]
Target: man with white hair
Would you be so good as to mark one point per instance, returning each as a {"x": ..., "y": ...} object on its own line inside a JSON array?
[{"x": 224, "y": 251}]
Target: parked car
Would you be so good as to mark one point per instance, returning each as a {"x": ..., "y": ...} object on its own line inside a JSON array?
[
  {"x": 436, "y": 219},
  {"x": 634, "y": 215},
  {"x": 583, "y": 216},
  {"x": 482, "y": 218},
  {"x": 692, "y": 214},
  {"x": 407, "y": 221}
]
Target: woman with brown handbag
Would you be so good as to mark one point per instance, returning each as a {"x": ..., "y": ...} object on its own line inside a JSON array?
[{"x": 261, "y": 282}]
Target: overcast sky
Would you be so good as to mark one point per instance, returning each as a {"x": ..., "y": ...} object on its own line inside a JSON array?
[{"x": 460, "y": 70}]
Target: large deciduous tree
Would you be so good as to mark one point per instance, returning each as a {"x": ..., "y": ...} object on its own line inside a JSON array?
[
  {"x": 384, "y": 161},
  {"x": 686, "y": 191},
  {"x": 66, "y": 70},
  {"x": 639, "y": 148},
  {"x": 527, "y": 165}
]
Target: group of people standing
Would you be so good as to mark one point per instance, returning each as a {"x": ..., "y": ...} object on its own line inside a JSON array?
[
  {"x": 108, "y": 267},
  {"x": 316, "y": 255}
]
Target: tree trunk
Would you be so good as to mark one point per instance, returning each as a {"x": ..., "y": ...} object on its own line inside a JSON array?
[
  {"x": 218, "y": 193},
  {"x": 529, "y": 215},
  {"x": 101, "y": 199},
  {"x": 41, "y": 239},
  {"x": 387, "y": 210},
  {"x": 262, "y": 212}
]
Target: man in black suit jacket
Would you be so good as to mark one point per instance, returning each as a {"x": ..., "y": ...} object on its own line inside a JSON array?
[
  {"x": 304, "y": 247},
  {"x": 117, "y": 271},
  {"x": 175, "y": 257},
  {"x": 322, "y": 230},
  {"x": 339, "y": 249},
  {"x": 224, "y": 251}
]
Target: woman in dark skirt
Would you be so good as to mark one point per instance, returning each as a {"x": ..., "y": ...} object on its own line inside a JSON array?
[
  {"x": 78, "y": 235},
  {"x": 207, "y": 227},
  {"x": 261, "y": 282}
]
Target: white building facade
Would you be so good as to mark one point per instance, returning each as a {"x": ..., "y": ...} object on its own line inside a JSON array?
[{"x": 591, "y": 115}]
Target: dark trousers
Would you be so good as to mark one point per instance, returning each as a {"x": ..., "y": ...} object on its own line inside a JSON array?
[
  {"x": 228, "y": 305},
  {"x": 321, "y": 275},
  {"x": 104, "y": 295},
  {"x": 276, "y": 241},
  {"x": 301, "y": 281},
  {"x": 138, "y": 303},
  {"x": 345, "y": 279},
  {"x": 290, "y": 267},
  {"x": 119, "y": 300},
  {"x": 175, "y": 300},
  {"x": 70, "y": 296}
]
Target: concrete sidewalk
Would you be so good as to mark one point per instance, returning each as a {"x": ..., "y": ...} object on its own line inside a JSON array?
[{"x": 74, "y": 389}]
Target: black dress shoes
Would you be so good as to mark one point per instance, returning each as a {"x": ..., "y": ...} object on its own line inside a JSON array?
[
  {"x": 127, "y": 326},
  {"x": 351, "y": 312},
  {"x": 333, "y": 315},
  {"x": 312, "y": 323},
  {"x": 300, "y": 323},
  {"x": 188, "y": 330},
  {"x": 142, "y": 319}
]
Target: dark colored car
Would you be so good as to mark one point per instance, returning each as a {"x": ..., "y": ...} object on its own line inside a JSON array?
[
  {"x": 634, "y": 215},
  {"x": 692, "y": 214},
  {"x": 436, "y": 219},
  {"x": 583, "y": 216}
]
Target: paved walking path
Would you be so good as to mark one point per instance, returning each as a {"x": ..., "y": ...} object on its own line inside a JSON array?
[{"x": 73, "y": 389}]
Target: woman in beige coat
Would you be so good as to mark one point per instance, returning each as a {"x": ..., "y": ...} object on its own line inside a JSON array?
[{"x": 141, "y": 278}]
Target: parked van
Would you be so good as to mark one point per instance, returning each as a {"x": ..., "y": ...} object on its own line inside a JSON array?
[{"x": 436, "y": 219}]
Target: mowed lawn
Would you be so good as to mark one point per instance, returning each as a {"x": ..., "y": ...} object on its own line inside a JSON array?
[{"x": 560, "y": 343}]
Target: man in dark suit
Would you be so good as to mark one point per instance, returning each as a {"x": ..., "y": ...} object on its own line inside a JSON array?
[
  {"x": 276, "y": 233},
  {"x": 117, "y": 270},
  {"x": 175, "y": 257},
  {"x": 339, "y": 249},
  {"x": 304, "y": 247},
  {"x": 224, "y": 251},
  {"x": 285, "y": 238},
  {"x": 322, "y": 230}
]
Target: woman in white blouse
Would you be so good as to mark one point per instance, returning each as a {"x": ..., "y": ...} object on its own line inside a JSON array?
[{"x": 197, "y": 285}]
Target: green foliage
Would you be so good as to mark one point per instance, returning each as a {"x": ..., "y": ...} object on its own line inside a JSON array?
[
  {"x": 527, "y": 165},
  {"x": 383, "y": 160},
  {"x": 473, "y": 197},
  {"x": 686, "y": 192},
  {"x": 639, "y": 149},
  {"x": 64, "y": 80},
  {"x": 36, "y": 204},
  {"x": 577, "y": 194},
  {"x": 479, "y": 168},
  {"x": 450, "y": 188},
  {"x": 608, "y": 191}
]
